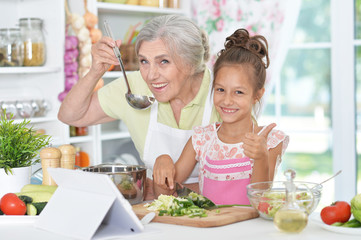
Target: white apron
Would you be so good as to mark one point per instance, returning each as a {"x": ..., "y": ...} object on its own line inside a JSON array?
[{"x": 162, "y": 139}]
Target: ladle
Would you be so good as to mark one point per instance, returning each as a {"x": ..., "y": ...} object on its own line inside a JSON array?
[{"x": 136, "y": 101}]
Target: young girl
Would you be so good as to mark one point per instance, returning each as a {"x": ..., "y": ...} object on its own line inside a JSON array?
[{"x": 237, "y": 151}]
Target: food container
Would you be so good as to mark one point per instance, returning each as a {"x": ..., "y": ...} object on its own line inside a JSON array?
[
  {"x": 11, "y": 47},
  {"x": 268, "y": 197},
  {"x": 34, "y": 41},
  {"x": 129, "y": 179}
]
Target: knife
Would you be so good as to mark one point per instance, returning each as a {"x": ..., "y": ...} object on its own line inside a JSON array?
[{"x": 182, "y": 191}]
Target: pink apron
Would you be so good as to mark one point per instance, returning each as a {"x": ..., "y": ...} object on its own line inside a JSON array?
[{"x": 222, "y": 184}]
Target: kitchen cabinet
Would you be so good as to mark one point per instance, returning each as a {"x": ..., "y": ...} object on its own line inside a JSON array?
[{"x": 105, "y": 142}]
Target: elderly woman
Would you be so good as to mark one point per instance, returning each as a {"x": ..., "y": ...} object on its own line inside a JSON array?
[{"x": 172, "y": 52}]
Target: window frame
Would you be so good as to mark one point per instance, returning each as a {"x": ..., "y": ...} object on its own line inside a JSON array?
[{"x": 343, "y": 98}]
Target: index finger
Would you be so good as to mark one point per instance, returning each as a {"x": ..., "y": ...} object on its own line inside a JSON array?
[
  {"x": 267, "y": 130},
  {"x": 170, "y": 182}
]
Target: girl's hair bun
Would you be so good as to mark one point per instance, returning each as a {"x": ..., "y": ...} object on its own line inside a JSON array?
[{"x": 256, "y": 44}]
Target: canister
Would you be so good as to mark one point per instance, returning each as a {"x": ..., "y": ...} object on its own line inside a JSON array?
[
  {"x": 11, "y": 47},
  {"x": 34, "y": 41}
]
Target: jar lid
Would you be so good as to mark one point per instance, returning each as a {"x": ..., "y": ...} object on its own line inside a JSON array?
[
  {"x": 9, "y": 29},
  {"x": 29, "y": 21}
]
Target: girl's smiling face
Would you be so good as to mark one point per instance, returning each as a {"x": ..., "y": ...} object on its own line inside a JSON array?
[
  {"x": 160, "y": 71},
  {"x": 234, "y": 94}
]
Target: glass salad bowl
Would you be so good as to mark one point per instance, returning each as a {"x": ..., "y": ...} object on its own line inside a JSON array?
[{"x": 268, "y": 197}]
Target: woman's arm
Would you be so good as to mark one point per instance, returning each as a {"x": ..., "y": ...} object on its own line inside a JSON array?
[
  {"x": 166, "y": 173},
  {"x": 81, "y": 106}
]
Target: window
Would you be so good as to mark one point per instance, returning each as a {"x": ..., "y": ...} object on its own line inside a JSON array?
[{"x": 306, "y": 99}]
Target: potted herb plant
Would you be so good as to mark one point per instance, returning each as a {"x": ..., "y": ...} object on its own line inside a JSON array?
[{"x": 19, "y": 148}]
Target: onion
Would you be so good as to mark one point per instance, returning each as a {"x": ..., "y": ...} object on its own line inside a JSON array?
[
  {"x": 70, "y": 56},
  {"x": 71, "y": 69},
  {"x": 77, "y": 22},
  {"x": 62, "y": 96},
  {"x": 83, "y": 34},
  {"x": 99, "y": 84},
  {"x": 71, "y": 42},
  {"x": 70, "y": 81},
  {"x": 95, "y": 35},
  {"x": 90, "y": 19},
  {"x": 85, "y": 61},
  {"x": 86, "y": 49}
]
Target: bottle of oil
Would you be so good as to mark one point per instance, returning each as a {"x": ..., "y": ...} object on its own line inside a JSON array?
[{"x": 291, "y": 218}]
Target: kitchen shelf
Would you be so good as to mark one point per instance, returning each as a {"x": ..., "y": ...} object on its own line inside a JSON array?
[
  {"x": 28, "y": 70},
  {"x": 135, "y": 9},
  {"x": 114, "y": 135},
  {"x": 36, "y": 120},
  {"x": 81, "y": 139}
]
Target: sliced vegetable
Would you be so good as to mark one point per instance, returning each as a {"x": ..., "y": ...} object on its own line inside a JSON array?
[
  {"x": 31, "y": 209},
  {"x": 39, "y": 206},
  {"x": 172, "y": 206}
]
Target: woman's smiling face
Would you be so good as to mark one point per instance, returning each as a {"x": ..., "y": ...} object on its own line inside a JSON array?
[
  {"x": 160, "y": 71},
  {"x": 233, "y": 93}
]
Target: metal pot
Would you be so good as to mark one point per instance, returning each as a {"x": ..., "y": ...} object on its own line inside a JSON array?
[{"x": 129, "y": 179}]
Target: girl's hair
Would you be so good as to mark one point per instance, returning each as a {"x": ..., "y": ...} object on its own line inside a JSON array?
[
  {"x": 242, "y": 49},
  {"x": 182, "y": 36}
]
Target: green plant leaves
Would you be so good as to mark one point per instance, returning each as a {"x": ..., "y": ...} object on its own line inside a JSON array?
[{"x": 19, "y": 145}]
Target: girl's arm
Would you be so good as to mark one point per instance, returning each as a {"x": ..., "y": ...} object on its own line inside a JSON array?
[{"x": 166, "y": 173}]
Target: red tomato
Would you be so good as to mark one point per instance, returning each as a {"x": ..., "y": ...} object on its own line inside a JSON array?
[
  {"x": 339, "y": 211},
  {"x": 264, "y": 206},
  {"x": 10, "y": 204}
]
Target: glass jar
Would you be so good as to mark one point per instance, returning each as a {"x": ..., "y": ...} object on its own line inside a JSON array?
[
  {"x": 34, "y": 41},
  {"x": 11, "y": 47}
]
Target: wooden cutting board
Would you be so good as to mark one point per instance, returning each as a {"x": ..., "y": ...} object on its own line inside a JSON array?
[{"x": 214, "y": 219}]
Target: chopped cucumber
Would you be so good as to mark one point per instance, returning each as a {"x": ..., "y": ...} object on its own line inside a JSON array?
[
  {"x": 39, "y": 206},
  {"x": 31, "y": 209}
]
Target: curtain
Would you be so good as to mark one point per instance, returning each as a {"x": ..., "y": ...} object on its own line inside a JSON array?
[{"x": 274, "y": 19}]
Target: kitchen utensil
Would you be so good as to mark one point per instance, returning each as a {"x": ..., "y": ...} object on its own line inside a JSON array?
[
  {"x": 220, "y": 217},
  {"x": 129, "y": 179},
  {"x": 268, "y": 197},
  {"x": 182, "y": 191},
  {"x": 330, "y": 177},
  {"x": 147, "y": 218},
  {"x": 136, "y": 101}
]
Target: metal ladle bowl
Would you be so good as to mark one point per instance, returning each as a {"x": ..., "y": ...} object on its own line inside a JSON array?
[{"x": 136, "y": 101}]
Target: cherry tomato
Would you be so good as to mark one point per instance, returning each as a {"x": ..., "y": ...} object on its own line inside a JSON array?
[
  {"x": 339, "y": 211},
  {"x": 10, "y": 204}
]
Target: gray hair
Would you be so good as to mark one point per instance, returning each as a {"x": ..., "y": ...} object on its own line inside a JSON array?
[{"x": 179, "y": 33}]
